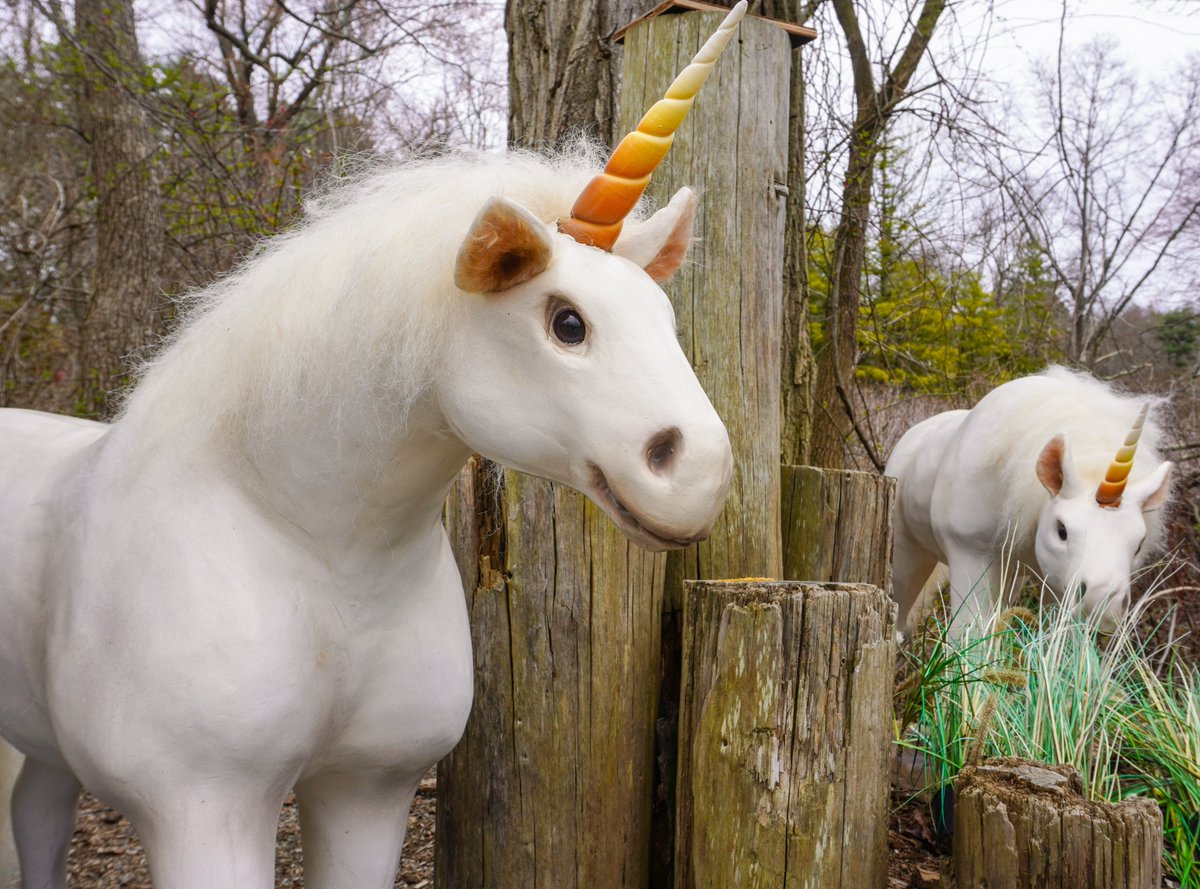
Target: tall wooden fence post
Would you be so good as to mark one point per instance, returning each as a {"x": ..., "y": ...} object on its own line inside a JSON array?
[
  {"x": 784, "y": 728},
  {"x": 728, "y": 306},
  {"x": 550, "y": 786}
]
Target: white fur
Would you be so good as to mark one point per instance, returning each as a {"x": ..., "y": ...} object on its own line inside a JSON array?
[{"x": 968, "y": 495}]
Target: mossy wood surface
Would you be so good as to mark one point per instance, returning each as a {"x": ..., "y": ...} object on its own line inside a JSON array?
[
  {"x": 784, "y": 736},
  {"x": 837, "y": 525},
  {"x": 1019, "y": 826},
  {"x": 550, "y": 786}
]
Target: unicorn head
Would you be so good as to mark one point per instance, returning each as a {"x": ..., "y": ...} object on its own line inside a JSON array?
[
  {"x": 568, "y": 315},
  {"x": 579, "y": 346},
  {"x": 1089, "y": 536}
]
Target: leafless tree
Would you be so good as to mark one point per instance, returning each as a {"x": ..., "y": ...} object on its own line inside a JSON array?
[
  {"x": 1103, "y": 181},
  {"x": 882, "y": 61},
  {"x": 244, "y": 105}
]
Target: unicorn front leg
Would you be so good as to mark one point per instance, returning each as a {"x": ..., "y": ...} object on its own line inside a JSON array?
[
  {"x": 912, "y": 566},
  {"x": 202, "y": 837},
  {"x": 353, "y": 829},
  {"x": 975, "y": 579}
]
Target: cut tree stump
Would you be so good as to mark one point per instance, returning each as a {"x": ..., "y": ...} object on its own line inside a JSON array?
[
  {"x": 1019, "y": 825},
  {"x": 837, "y": 525},
  {"x": 785, "y": 724}
]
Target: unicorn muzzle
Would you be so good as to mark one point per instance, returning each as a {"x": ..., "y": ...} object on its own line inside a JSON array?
[{"x": 672, "y": 496}]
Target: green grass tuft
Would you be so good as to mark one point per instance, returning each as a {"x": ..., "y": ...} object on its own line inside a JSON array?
[{"x": 1048, "y": 688}]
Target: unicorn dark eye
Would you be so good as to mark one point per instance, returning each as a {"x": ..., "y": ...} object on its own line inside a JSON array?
[
  {"x": 568, "y": 327},
  {"x": 1062, "y": 531}
]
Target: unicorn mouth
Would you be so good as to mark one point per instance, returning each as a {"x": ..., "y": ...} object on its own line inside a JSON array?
[{"x": 629, "y": 523}]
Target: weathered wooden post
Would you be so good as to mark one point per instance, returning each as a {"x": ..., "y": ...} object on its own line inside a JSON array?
[
  {"x": 727, "y": 299},
  {"x": 784, "y": 728},
  {"x": 837, "y": 525},
  {"x": 728, "y": 304},
  {"x": 1019, "y": 825},
  {"x": 551, "y": 785}
]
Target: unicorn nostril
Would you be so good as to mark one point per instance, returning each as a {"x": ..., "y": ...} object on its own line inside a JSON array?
[
  {"x": 662, "y": 449},
  {"x": 1083, "y": 588}
]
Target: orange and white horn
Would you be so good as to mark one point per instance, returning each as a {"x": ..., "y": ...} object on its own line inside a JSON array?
[
  {"x": 1110, "y": 490},
  {"x": 600, "y": 211}
]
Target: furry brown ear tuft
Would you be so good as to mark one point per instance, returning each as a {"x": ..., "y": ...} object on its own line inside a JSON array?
[
  {"x": 1051, "y": 465},
  {"x": 507, "y": 245}
]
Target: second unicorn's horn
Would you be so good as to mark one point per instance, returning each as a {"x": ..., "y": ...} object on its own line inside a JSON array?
[
  {"x": 600, "y": 211},
  {"x": 1110, "y": 490}
]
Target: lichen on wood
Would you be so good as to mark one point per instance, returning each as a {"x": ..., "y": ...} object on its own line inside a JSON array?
[
  {"x": 784, "y": 735},
  {"x": 1020, "y": 825}
]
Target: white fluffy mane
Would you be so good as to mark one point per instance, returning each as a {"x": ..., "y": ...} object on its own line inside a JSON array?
[
  {"x": 351, "y": 302},
  {"x": 1095, "y": 418}
]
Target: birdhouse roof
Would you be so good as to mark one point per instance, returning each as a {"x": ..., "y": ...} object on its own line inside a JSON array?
[{"x": 798, "y": 34}]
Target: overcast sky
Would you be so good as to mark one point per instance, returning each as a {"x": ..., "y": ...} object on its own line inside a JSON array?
[{"x": 1152, "y": 35}]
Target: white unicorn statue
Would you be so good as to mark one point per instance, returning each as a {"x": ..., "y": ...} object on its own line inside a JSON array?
[
  {"x": 1025, "y": 483},
  {"x": 242, "y": 585}
]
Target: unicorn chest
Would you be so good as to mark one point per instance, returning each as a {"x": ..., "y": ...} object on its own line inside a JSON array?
[{"x": 402, "y": 679}]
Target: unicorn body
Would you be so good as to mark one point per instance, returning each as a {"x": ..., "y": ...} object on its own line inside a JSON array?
[
  {"x": 1011, "y": 488},
  {"x": 242, "y": 585}
]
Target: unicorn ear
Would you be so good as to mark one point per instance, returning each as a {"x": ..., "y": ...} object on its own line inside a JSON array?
[
  {"x": 1056, "y": 469},
  {"x": 660, "y": 244},
  {"x": 506, "y": 246},
  {"x": 1151, "y": 492}
]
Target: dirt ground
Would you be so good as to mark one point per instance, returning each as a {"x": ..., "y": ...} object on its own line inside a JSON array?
[{"x": 106, "y": 854}]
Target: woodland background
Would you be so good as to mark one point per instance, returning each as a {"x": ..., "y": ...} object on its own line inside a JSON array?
[{"x": 945, "y": 234}]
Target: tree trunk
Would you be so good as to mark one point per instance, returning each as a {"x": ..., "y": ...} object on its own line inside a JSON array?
[
  {"x": 838, "y": 358},
  {"x": 785, "y": 729},
  {"x": 875, "y": 106},
  {"x": 1020, "y": 825},
  {"x": 123, "y": 314},
  {"x": 563, "y": 69}
]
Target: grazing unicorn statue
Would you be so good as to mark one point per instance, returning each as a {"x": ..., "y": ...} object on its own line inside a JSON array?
[
  {"x": 242, "y": 585},
  {"x": 1025, "y": 482}
]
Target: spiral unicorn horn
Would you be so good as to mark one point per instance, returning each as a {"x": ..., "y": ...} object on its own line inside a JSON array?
[
  {"x": 600, "y": 211},
  {"x": 1110, "y": 490}
]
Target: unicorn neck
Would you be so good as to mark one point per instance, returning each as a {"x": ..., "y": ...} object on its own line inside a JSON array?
[
  {"x": 294, "y": 391},
  {"x": 355, "y": 488},
  {"x": 346, "y": 486}
]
